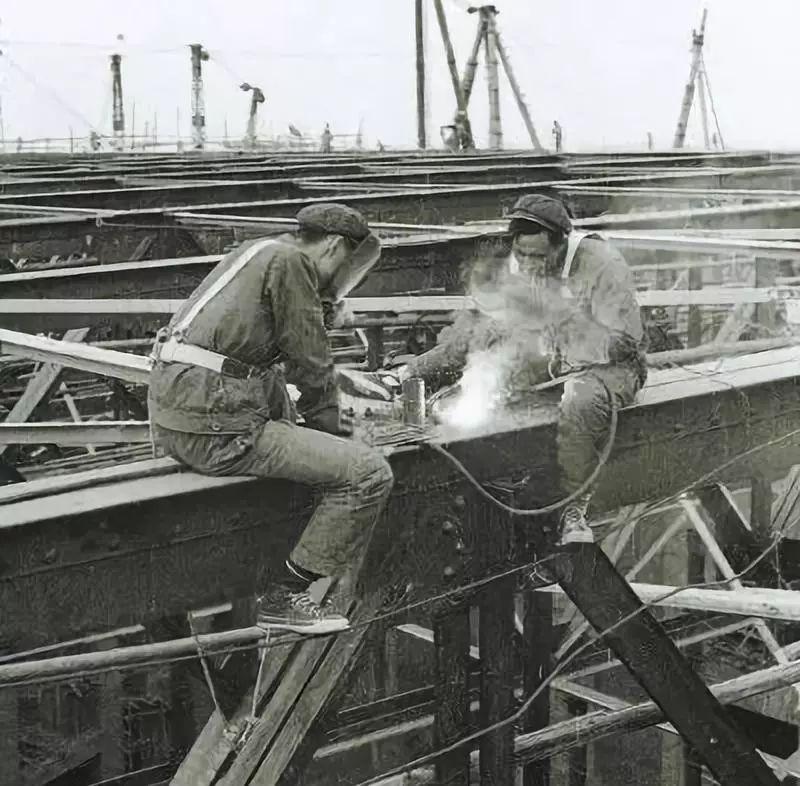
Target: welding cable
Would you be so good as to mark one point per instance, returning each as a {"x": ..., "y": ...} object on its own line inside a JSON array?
[{"x": 585, "y": 486}]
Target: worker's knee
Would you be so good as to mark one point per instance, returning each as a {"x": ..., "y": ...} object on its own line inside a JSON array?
[
  {"x": 584, "y": 401},
  {"x": 374, "y": 475}
]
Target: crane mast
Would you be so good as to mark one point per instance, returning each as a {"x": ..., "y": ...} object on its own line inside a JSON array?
[
  {"x": 694, "y": 73},
  {"x": 118, "y": 108},
  {"x": 256, "y": 98},
  {"x": 199, "y": 55}
]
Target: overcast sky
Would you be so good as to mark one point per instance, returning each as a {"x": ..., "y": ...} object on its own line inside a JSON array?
[{"x": 608, "y": 70}]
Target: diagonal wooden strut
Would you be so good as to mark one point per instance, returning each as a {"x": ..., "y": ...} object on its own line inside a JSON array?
[
  {"x": 298, "y": 683},
  {"x": 606, "y": 599}
]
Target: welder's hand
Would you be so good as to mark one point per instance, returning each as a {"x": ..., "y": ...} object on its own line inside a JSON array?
[
  {"x": 362, "y": 384},
  {"x": 332, "y": 420},
  {"x": 336, "y": 315},
  {"x": 393, "y": 380}
]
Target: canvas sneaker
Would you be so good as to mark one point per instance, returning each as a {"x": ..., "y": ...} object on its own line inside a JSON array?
[
  {"x": 574, "y": 527},
  {"x": 282, "y": 609}
]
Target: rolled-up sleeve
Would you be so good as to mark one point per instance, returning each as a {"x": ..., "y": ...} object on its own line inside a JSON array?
[{"x": 299, "y": 332}]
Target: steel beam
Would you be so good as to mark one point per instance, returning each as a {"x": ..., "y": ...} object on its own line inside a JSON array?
[{"x": 607, "y": 601}]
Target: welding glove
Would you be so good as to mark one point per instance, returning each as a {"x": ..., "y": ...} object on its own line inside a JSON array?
[
  {"x": 332, "y": 420},
  {"x": 363, "y": 384}
]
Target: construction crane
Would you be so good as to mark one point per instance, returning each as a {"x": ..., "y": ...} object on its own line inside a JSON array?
[
  {"x": 488, "y": 37},
  {"x": 256, "y": 98},
  {"x": 199, "y": 55},
  {"x": 118, "y": 108},
  {"x": 697, "y": 82}
]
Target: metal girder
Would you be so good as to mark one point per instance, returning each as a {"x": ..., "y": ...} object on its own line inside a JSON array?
[
  {"x": 82, "y": 560},
  {"x": 636, "y": 638}
]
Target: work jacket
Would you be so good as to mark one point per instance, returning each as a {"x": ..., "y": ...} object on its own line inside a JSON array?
[
  {"x": 594, "y": 318},
  {"x": 268, "y": 316},
  {"x": 590, "y": 318}
]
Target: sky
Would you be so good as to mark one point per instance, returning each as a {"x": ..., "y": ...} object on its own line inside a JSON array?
[{"x": 608, "y": 70}]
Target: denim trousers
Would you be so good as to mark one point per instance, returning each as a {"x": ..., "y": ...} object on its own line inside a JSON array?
[
  {"x": 354, "y": 482},
  {"x": 585, "y": 417}
]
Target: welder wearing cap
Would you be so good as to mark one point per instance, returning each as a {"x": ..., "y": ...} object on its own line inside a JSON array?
[
  {"x": 219, "y": 402},
  {"x": 576, "y": 291},
  {"x": 593, "y": 333}
]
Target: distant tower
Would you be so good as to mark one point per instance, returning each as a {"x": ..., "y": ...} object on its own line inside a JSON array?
[
  {"x": 118, "y": 108},
  {"x": 696, "y": 72},
  {"x": 256, "y": 98},
  {"x": 198, "y": 102}
]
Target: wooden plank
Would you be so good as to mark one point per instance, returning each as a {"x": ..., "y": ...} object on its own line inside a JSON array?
[
  {"x": 390, "y": 304},
  {"x": 44, "y": 487},
  {"x": 40, "y": 386},
  {"x": 538, "y": 644},
  {"x": 451, "y": 638},
  {"x": 761, "y": 501},
  {"x": 695, "y": 322},
  {"x": 591, "y": 696},
  {"x": 107, "y": 362},
  {"x": 746, "y": 602},
  {"x": 496, "y": 633},
  {"x": 86, "y": 432},
  {"x": 317, "y": 690},
  {"x": 766, "y": 276},
  {"x": 12, "y": 732},
  {"x": 220, "y": 737}
]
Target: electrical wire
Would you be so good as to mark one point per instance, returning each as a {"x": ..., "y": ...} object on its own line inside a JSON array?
[
  {"x": 587, "y": 484},
  {"x": 558, "y": 669},
  {"x": 270, "y": 643},
  {"x": 711, "y": 101},
  {"x": 49, "y": 91}
]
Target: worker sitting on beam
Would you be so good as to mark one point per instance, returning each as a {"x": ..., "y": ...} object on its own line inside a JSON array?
[
  {"x": 219, "y": 401},
  {"x": 567, "y": 300}
]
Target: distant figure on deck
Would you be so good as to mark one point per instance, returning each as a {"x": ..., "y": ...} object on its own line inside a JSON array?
[
  {"x": 557, "y": 135},
  {"x": 219, "y": 403},
  {"x": 327, "y": 138},
  {"x": 464, "y": 132},
  {"x": 577, "y": 293}
]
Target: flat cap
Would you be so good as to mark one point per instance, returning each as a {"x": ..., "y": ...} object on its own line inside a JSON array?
[
  {"x": 542, "y": 210},
  {"x": 334, "y": 219}
]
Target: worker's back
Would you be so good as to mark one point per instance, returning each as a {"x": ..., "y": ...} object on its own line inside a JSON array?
[{"x": 238, "y": 321}]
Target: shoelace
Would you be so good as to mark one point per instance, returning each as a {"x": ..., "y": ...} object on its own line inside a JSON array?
[
  {"x": 573, "y": 516},
  {"x": 304, "y": 602}
]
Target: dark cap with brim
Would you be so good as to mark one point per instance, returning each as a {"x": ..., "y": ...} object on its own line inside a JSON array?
[
  {"x": 334, "y": 219},
  {"x": 542, "y": 211}
]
